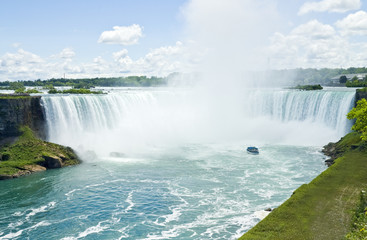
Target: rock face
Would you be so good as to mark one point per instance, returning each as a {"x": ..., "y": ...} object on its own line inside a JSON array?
[
  {"x": 53, "y": 162},
  {"x": 360, "y": 95},
  {"x": 19, "y": 111},
  {"x": 330, "y": 151}
]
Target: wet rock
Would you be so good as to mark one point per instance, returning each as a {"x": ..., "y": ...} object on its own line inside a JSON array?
[
  {"x": 34, "y": 168},
  {"x": 52, "y": 161}
]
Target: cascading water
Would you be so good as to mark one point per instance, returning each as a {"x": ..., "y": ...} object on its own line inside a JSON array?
[
  {"x": 140, "y": 118},
  {"x": 172, "y": 164}
]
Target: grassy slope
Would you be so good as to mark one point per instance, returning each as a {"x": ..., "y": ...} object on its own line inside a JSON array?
[
  {"x": 322, "y": 209},
  {"x": 28, "y": 150}
]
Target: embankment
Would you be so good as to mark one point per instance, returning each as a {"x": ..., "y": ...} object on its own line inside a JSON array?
[{"x": 322, "y": 209}]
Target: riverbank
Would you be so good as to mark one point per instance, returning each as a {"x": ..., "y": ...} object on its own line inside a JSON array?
[
  {"x": 324, "y": 208},
  {"x": 29, "y": 154}
]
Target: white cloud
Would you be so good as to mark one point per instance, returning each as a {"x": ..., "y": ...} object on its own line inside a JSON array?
[
  {"x": 314, "y": 29},
  {"x": 330, "y": 6},
  {"x": 119, "y": 55},
  {"x": 122, "y": 35},
  {"x": 159, "y": 61},
  {"x": 353, "y": 24},
  {"x": 313, "y": 45},
  {"x": 21, "y": 63},
  {"x": 67, "y": 53}
]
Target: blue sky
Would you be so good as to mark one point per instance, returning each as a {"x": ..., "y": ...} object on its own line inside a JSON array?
[{"x": 44, "y": 39}]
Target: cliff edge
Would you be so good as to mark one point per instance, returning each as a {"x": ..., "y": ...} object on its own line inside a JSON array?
[{"x": 21, "y": 110}]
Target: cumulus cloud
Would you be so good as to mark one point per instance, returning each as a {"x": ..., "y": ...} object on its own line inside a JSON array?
[
  {"x": 159, "y": 61},
  {"x": 314, "y": 29},
  {"x": 312, "y": 44},
  {"x": 122, "y": 35},
  {"x": 120, "y": 54},
  {"x": 21, "y": 63},
  {"x": 353, "y": 24},
  {"x": 330, "y": 6},
  {"x": 67, "y": 53}
]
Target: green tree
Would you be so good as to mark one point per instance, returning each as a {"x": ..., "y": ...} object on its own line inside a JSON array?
[
  {"x": 359, "y": 113},
  {"x": 15, "y": 85},
  {"x": 343, "y": 79}
]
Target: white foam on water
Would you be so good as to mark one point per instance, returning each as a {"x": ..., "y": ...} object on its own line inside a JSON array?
[
  {"x": 91, "y": 230},
  {"x": 44, "y": 208},
  {"x": 123, "y": 231},
  {"x": 15, "y": 224},
  {"x": 130, "y": 201},
  {"x": 18, "y": 214},
  {"x": 19, "y": 233},
  {"x": 11, "y": 235}
]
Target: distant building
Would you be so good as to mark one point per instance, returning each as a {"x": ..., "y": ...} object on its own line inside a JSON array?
[{"x": 360, "y": 76}]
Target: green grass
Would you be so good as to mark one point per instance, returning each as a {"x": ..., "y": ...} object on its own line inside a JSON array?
[
  {"x": 14, "y": 97},
  {"x": 322, "y": 209},
  {"x": 359, "y": 221},
  {"x": 29, "y": 150}
]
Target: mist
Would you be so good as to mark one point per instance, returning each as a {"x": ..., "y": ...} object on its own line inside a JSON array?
[{"x": 224, "y": 103}]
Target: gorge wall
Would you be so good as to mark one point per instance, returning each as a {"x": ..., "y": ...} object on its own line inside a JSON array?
[{"x": 17, "y": 111}]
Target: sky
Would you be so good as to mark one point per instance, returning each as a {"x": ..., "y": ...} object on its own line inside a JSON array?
[{"x": 42, "y": 39}]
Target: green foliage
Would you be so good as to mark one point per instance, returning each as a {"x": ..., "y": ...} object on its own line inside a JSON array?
[
  {"x": 20, "y": 90},
  {"x": 343, "y": 79},
  {"x": 53, "y": 91},
  {"x": 131, "y": 81},
  {"x": 32, "y": 91},
  {"x": 48, "y": 86},
  {"x": 28, "y": 150},
  {"x": 355, "y": 82},
  {"x": 359, "y": 221},
  {"x": 74, "y": 91},
  {"x": 309, "y": 87},
  {"x": 15, "y": 85},
  {"x": 359, "y": 113}
]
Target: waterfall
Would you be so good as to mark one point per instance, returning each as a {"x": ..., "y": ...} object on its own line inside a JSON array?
[
  {"x": 135, "y": 120},
  {"x": 326, "y": 107}
]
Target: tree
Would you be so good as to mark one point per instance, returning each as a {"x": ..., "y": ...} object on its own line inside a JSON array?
[
  {"x": 343, "y": 79},
  {"x": 15, "y": 85},
  {"x": 360, "y": 114},
  {"x": 355, "y": 79}
]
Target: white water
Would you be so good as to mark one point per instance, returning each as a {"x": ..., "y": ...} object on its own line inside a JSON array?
[{"x": 140, "y": 120}]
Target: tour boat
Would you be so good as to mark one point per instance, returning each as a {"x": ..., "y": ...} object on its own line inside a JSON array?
[{"x": 253, "y": 150}]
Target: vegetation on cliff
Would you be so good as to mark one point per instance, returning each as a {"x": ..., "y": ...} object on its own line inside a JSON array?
[
  {"x": 30, "y": 154},
  {"x": 359, "y": 222},
  {"x": 359, "y": 113}
]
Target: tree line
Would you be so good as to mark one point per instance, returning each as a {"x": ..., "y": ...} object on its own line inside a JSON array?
[{"x": 131, "y": 81}]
